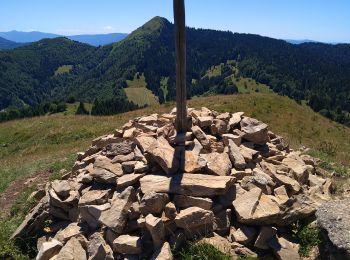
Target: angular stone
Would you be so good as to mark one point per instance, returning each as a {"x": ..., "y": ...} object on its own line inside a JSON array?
[
  {"x": 163, "y": 253},
  {"x": 144, "y": 142},
  {"x": 300, "y": 207},
  {"x": 91, "y": 213},
  {"x": 126, "y": 244},
  {"x": 193, "y": 217},
  {"x": 240, "y": 174},
  {"x": 153, "y": 203},
  {"x": 129, "y": 133},
  {"x": 226, "y": 199},
  {"x": 224, "y": 116},
  {"x": 219, "y": 127},
  {"x": 298, "y": 168},
  {"x": 103, "y": 162},
  {"x": 334, "y": 217},
  {"x": 235, "y": 119},
  {"x": 115, "y": 217},
  {"x": 235, "y": 155},
  {"x": 253, "y": 207},
  {"x": 195, "y": 147},
  {"x": 290, "y": 183},
  {"x": 49, "y": 250},
  {"x": 72, "y": 230},
  {"x": 156, "y": 227},
  {"x": 262, "y": 179},
  {"x": 97, "y": 248},
  {"x": 243, "y": 235},
  {"x": 128, "y": 180},
  {"x": 254, "y": 130},
  {"x": 248, "y": 153},
  {"x": 73, "y": 250},
  {"x": 123, "y": 146},
  {"x": 222, "y": 222},
  {"x": 164, "y": 155},
  {"x": 265, "y": 234},
  {"x": 103, "y": 141},
  {"x": 128, "y": 167},
  {"x": 219, "y": 243},
  {"x": 316, "y": 181},
  {"x": 62, "y": 188},
  {"x": 96, "y": 197},
  {"x": 198, "y": 185},
  {"x": 141, "y": 167},
  {"x": 284, "y": 249},
  {"x": 170, "y": 210},
  {"x": 218, "y": 163},
  {"x": 183, "y": 201},
  {"x": 193, "y": 162},
  {"x": 104, "y": 176},
  {"x": 235, "y": 138},
  {"x": 151, "y": 119},
  {"x": 242, "y": 250},
  {"x": 123, "y": 158},
  {"x": 134, "y": 211},
  {"x": 201, "y": 136},
  {"x": 281, "y": 194},
  {"x": 204, "y": 121},
  {"x": 66, "y": 204},
  {"x": 34, "y": 221}
]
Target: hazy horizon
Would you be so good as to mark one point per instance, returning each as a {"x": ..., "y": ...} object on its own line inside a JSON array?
[{"x": 316, "y": 20}]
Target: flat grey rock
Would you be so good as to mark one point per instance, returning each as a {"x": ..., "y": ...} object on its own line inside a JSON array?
[{"x": 334, "y": 217}]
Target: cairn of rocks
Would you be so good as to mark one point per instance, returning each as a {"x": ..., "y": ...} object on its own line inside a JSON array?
[{"x": 144, "y": 190}]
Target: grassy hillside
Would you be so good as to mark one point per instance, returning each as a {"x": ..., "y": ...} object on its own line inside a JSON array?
[
  {"x": 244, "y": 85},
  {"x": 43, "y": 146},
  {"x": 138, "y": 92}
]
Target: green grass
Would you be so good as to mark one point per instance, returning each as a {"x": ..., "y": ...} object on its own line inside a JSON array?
[
  {"x": 139, "y": 81},
  {"x": 164, "y": 87},
  {"x": 214, "y": 71},
  {"x": 72, "y": 108},
  {"x": 202, "y": 251},
  {"x": 138, "y": 92},
  {"x": 249, "y": 85},
  {"x": 63, "y": 69},
  {"x": 307, "y": 237},
  {"x": 244, "y": 85},
  {"x": 25, "y": 248}
]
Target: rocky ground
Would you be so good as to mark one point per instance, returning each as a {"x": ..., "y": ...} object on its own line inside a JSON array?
[{"x": 144, "y": 190}]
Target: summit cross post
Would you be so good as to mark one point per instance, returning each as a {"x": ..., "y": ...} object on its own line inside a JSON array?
[{"x": 180, "y": 48}]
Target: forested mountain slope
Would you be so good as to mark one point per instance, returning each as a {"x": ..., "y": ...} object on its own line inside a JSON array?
[
  {"x": 6, "y": 44},
  {"x": 315, "y": 72}
]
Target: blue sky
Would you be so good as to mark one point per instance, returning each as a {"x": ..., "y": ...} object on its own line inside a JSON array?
[{"x": 322, "y": 20}]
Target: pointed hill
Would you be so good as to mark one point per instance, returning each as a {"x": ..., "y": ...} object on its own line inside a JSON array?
[{"x": 314, "y": 72}]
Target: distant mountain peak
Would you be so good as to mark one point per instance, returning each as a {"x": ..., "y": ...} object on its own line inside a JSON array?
[{"x": 151, "y": 28}]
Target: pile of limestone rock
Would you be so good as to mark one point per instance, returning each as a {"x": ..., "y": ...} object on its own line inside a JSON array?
[{"x": 145, "y": 190}]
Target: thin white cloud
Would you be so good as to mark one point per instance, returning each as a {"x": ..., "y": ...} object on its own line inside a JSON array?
[{"x": 108, "y": 28}]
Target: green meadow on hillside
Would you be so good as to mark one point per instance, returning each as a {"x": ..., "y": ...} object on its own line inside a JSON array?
[{"x": 138, "y": 93}]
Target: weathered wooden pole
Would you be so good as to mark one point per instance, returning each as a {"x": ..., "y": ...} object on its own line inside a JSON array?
[{"x": 180, "y": 48}]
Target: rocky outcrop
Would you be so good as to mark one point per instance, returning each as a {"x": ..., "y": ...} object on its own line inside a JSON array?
[
  {"x": 137, "y": 194},
  {"x": 334, "y": 218}
]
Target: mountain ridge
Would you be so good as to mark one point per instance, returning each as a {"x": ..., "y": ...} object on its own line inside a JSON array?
[
  {"x": 7, "y": 44},
  {"x": 34, "y": 36},
  {"x": 309, "y": 71}
]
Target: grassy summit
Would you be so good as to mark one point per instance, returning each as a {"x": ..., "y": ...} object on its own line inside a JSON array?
[{"x": 42, "y": 146}]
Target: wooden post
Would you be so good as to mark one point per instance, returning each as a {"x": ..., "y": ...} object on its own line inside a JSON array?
[{"x": 180, "y": 48}]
